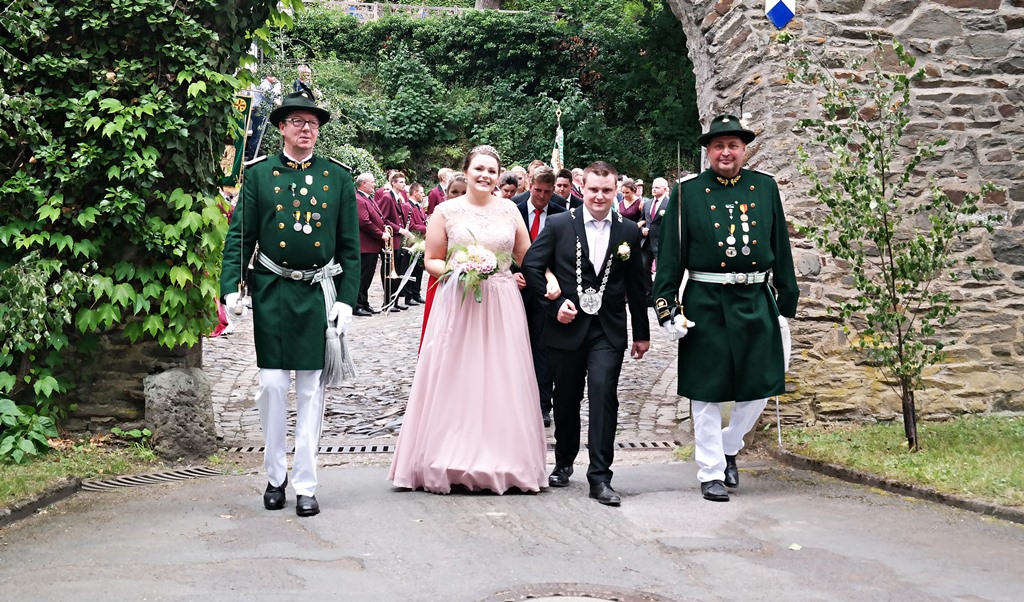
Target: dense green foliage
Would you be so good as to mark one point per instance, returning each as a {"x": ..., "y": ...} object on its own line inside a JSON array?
[
  {"x": 418, "y": 92},
  {"x": 894, "y": 246},
  {"x": 109, "y": 148}
]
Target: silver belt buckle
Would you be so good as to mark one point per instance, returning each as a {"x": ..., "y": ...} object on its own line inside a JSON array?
[
  {"x": 296, "y": 275},
  {"x": 741, "y": 278}
]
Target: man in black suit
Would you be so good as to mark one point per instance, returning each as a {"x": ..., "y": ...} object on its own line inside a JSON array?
[
  {"x": 535, "y": 211},
  {"x": 654, "y": 210},
  {"x": 595, "y": 256},
  {"x": 542, "y": 184},
  {"x": 563, "y": 188}
]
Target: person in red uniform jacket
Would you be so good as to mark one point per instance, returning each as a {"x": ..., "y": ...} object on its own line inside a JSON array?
[
  {"x": 372, "y": 237},
  {"x": 393, "y": 204},
  {"x": 418, "y": 226},
  {"x": 437, "y": 193}
]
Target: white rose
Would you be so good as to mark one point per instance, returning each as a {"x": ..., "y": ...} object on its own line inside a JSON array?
[{"x": 623, "y": 251}]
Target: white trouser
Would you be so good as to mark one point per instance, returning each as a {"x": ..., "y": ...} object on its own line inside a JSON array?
[
  {"x": 272, "y": 401},
  {"x": 712, "y": 442}
]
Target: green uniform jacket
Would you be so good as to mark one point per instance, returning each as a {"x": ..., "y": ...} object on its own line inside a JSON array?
[
  {"x": 289, "y": 317},
  {"x": 734, "y": 353}
]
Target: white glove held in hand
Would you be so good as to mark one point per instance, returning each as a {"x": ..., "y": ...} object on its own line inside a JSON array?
[
  {"x": 233, "y": 307},
  {"x": 342, "y": 312},
  {"x": 677, "y": 327}
]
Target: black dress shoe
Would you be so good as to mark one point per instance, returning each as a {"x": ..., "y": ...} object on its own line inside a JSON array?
[
  {"x": 393, "y": 308},
  {"x": 305, "y": 505},
  {"x": 362, "y": 311},
  {"x": 547, "y": 419},
  {"x": 410, "y": 301},
  {"x": 714, "y": 491},
  {"x": 420, "y": 300},
  {"x": 604, "y": 493},
  {"x": 399, "y": 306},
  {"x": 732, "y": 474},
  {"x": 273, "y": 497},
  {"x": 560, "y": 476}
]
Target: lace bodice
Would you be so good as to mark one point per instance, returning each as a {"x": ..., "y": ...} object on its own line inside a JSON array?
[{"x": 492, "y": 225}]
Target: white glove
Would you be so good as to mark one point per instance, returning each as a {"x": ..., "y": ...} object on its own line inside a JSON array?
[
  {"x": 404, "y": 232},
  {"x": 342, "y": 312},
  {"x": 233, "y": 305},
  {"x": 787, "y": 342},
  {"x": 677, "y": 327}
]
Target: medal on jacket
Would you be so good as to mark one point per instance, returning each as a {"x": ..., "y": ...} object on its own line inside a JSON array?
[
  {"x": 731, "y": 240},
  {"x": 590, "y": 299},
  {"x": 746, "y": 245}
]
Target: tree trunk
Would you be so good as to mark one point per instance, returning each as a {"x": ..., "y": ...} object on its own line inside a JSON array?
[
  {"x": 909, "y": 415},
  {"x": 488, "y": 4}
]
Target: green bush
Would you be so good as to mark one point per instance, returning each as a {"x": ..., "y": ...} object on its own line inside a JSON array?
[
  {"x": 110, "y": 148},
  {"x": 420, "y": 91}
]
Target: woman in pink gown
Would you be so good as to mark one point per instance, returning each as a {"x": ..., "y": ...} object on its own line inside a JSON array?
[{"x": 473, "y": 418}]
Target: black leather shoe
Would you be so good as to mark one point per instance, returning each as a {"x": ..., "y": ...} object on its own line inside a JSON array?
[
  {"x": 362, "y": 312},
  {"x": 305, "y": 505},
  {"x": 420, "y": 300},
  {"x": 547, "y": 419},
  {"x": 273, "y": 497},
  {"x": 732, "y": 474},
  {"x": 714, "y": 491},
  {"x": 560, "y": 476},
  {"x": 399, "y": 306},
  {"x": 394, "y": 308},
  {"x": 604, "y": 493},
  {"x": 410, "y": 301}
]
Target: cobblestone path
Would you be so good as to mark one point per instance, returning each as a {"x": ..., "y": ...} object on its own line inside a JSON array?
[{"x": 370, "y": 407}]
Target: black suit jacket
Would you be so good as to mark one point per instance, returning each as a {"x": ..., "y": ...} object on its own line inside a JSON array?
[
  {"x": 555, "y": 248},
  {"x": 654, "y": 223},
  {"x": 525, "y": 208},
  {"x": 556, "y": 199}
]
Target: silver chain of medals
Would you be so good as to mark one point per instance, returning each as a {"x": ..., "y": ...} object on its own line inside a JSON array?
[{"x": 590, "y": 300}]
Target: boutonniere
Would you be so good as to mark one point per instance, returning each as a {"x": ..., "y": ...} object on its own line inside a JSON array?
[
  {"x": 660, "y": 213},
  {"x": 622, "y": 252}
]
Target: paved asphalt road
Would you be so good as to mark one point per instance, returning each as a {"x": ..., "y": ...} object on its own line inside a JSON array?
[{"x": 787, "y": 535}]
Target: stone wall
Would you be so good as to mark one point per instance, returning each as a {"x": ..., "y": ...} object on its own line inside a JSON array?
[
  {"x": 109, "y": 387},
  {"x": 973, "y": 53}
]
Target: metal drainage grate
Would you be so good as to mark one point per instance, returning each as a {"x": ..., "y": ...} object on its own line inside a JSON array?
[
  {"x": 149, "y": 479},
  {"x": 389, "y": 447}
]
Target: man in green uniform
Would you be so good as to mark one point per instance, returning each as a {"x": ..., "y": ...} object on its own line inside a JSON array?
[
  {"x": 727, "y": 228},
  {"x": 301, "y": 210}
]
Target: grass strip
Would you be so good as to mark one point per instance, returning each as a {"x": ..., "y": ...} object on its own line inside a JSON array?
[{"x": 979, "y": 457}]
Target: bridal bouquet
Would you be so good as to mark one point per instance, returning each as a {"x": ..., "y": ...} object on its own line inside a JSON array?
[{"x": 471, "y": 265}]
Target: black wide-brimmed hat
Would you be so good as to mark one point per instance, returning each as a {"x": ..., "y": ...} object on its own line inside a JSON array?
[
  {"x": 726, "y": 125},
  {"x": 299, "y": 101}
]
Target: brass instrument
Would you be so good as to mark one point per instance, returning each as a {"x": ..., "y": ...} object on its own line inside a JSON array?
[{"x": 389, "y": 252}]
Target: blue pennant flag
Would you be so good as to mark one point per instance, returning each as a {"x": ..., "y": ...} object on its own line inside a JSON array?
[{"x": 780, "y": 12}]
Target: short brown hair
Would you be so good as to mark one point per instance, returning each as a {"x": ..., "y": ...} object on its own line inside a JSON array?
[
  {"x": 544, "y": 175},
  {"x": 394, "y": 175},
  {"x": 600, "y": 168}
]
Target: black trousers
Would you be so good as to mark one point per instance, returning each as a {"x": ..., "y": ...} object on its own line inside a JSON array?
[
  {"x": 597, "y": 365},
  {"x": 367, "y": 266},
  {"x": 648, "y": 256},
  {"x": 412, "y": 288},
  {"x": 535, "y": 317}
]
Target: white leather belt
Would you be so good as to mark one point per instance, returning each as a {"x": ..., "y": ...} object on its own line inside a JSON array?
[{"x": 729, "y": 277}]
